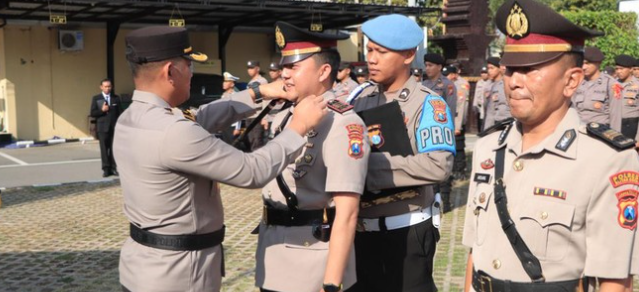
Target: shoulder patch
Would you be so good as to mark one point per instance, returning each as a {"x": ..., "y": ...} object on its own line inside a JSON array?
[
  {"x": 610, "y": 136},
  {"x": 189, "y": 115},
  {"x": 627, "y": 204},
  {"x": 355, "y": 140},
  {"x": 566, "y": 140},
  {"x": 496, "y": 127},
  {"x": 338, "y": 106},
  {"x": 436, "y": 130}
]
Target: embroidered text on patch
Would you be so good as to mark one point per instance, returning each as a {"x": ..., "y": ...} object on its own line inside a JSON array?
[{"x": 624, "y": 178}]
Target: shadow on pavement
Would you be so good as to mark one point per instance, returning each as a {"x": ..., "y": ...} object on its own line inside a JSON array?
[{"x": 23, "y": 195}]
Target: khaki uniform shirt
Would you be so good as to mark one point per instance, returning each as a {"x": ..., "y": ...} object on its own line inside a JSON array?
[
  {"x": 445, "y": 88},
  {"x": 568, "y": 217},
  {"x": 599, "y": 101},
  {"x": 290, "y": 258},
  {"x": 344, "y": 88},
  {"x": 479, "y": 99},
  {"x": 497, "y": 108},
  {"x": 420, "y": 170},
  {"x": 169, "y": 170},
  {"x": 261, "y": 80},
  {"x": 631, "y": 100},
  {"x": 463, "y": 92}
]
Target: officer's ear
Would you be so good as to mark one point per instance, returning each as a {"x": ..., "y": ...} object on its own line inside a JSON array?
[
  {"x": 409, "y": 56},
  {"x": 324, "y": 72},
  {"x": 572, "y": 78}
]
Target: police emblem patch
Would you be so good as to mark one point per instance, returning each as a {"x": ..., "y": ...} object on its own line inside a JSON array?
[
  {"x": 439, "y": 113},
  {"x": 517, "y": 23},
  {"x": 487, "y": 164},
  {"x": 279, "y": 38},
  {"x": 617, "y": 89},
  {"x": 549, "y": 193},
  {"x": 451, "y": 89},
  {"x": 624, "y": 178},
  {"x": 627, "y": 208},
  {"x": 375, "y": 135},
  {"x": 355, "y": 140}
]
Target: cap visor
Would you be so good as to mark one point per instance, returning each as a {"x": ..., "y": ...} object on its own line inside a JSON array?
[
  {"x": 528, "y": 59},
  {"x": 294, "y": 58},
  {"x": 197, "y": 57}
]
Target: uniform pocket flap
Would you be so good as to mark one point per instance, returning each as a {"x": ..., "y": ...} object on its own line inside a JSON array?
[
  {"x": 549, "y": 213},
  {"x": 302, "y": 238}
]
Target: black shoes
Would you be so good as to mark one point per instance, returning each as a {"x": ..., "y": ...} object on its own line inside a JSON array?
[{"x": 107, "y": 173}]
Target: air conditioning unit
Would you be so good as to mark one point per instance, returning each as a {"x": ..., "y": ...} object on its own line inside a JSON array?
[{"x": 70, "y": 40}]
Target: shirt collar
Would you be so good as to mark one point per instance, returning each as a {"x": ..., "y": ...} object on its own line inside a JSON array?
[{"x": 150, "y": 98}]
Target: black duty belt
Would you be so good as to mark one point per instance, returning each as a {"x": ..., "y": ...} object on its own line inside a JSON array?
[
  {"x": 272, "y": 216},
  {"x": 483, "y": 282},
  {"x": 177, "y": 242}
]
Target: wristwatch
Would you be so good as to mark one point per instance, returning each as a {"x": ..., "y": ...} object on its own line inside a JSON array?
[
  {"x": 332, "y": 287},
  {"x": 255, "y": 86}
]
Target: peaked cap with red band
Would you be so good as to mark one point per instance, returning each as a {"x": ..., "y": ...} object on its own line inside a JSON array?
[
  {"x": 536, "y": 34},
  {"x": 297, "y": 44}
]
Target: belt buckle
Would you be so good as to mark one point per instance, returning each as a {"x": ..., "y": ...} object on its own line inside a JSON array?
[{"x": 485, "y": 280}]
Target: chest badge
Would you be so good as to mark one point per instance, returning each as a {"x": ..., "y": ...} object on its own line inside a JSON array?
[
  {"x": 549, "y": 193},
  {"x": 487, "y": 164}
]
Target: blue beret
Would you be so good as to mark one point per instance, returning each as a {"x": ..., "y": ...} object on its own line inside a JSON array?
[{"x": 383, "y": 30}]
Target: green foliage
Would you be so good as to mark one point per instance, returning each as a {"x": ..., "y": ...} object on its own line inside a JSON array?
[{"x": 619, "y": 28}]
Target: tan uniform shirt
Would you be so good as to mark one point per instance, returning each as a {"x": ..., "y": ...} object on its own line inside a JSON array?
[
  {"x": 568, "y": 217},
  {"x": 261, "y": 80},
  {"x": 463, "y": 92},
  {"x": 445, "y": 88},
  {"x": 599, "y": 101},
  {"x": 344, "y": 88},
  {"x": 479, "y": 99},
  {"x": 420, "y": 170},
  {"x": 631, "y": 100},
  {"x": 290, "y": 258},
  {"x": 497, "y": 108},
  {"x": 169, "y": 170}
]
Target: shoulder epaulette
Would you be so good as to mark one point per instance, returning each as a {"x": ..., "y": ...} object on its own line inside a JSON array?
[
  {"x": 609, "y": 136},
  {"x": 188, "y": 115},
  {"x": 496, "y": 127},
  {"x": 337, "y": 106},
  {"x": 351, "y": 97}
]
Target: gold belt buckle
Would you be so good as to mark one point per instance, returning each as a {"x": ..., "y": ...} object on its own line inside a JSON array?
[{"x": 484, "y": 280}]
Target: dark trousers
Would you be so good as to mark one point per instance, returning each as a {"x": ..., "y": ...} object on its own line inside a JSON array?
[
  {"x": 399, "y": 260},
  {"x": 256, "y": 136},
  {"x": 459, "y": 165},
  {"x": 106, "y": 150},
  {"x": 629, "y": 127},
  {"x": 124, "y": 289}
]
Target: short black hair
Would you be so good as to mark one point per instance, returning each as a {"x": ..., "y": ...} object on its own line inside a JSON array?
[
  {"x": 106, "y": 80},
  {"x": 330, "y": 57},
  {"x": 136, "y": 68}
]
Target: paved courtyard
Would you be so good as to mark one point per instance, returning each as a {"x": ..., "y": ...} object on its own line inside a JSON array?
[{"x": 67, "y": 238}]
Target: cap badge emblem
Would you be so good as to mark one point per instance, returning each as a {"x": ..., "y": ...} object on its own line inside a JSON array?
[
  {"x": 279, "y": 38},
  {"x": 517, "y": 23}
]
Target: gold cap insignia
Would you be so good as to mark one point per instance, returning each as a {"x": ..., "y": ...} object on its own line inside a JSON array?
[
  {"x": 188, "y": 50},
  {"x": 517, "y": 23},
  {"x": 279, "y": 38}
]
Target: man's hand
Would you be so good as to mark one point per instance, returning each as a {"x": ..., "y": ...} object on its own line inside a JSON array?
[
  {"x": 264, "y": 124},
  {"x": 457, "y": 132},
  {"x": 236, "y": 133},
  {"x": 273, "y": 90},
  {"x": 105, "y": 107},
  {"x": 308, "y": 114}
]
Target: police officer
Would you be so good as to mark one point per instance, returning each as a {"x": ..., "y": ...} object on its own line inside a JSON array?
[
  {"x": 438, "y": 83},
  {"x": 171, "y": 166},
  {"x": 535, "y": 220},
  {"x": 228, "y": 84},
  {"x": 344, "y": 83},
  {"x": 635, "y": 69},
  {"x": 361, "y": 73},
  {"x": 274, "y": 71},
  {"x": 417, "y": 73},
  {"x": 257, "y": 135},
  {"x": 630, "y": 100},
  {"x": 497, "y": 108},
  {"x": 479, "y": 97},
  {"x": 598, "y": 98},
  {"x": 463, "y": 91},
  {"x": 310, "y": 211},
  {"x": 396, "y": 238}
]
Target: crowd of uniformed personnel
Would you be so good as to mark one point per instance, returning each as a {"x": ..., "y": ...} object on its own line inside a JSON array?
[{"x": 356, "y": 174}]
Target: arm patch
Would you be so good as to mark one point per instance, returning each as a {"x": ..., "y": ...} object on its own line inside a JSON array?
[{"x": 436, "y": 131}]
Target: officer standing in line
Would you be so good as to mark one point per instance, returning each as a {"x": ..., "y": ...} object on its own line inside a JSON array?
[
  {"x": 228, "y": 85},
  {"x": 463, "y": 92},
  {"x": 361, "y": 73},
  {"x": 535, "y": 220},
  {"x": 497, "y": 108},
  {"x": 310, "y": 211},
  {"x": 479, "y": 97},
  {"x": 396, "y": 237},
  {"x": 257, "y": 136},
  {"x": 438, "y": 83},
  {"x": 630, "y": 113},
  {"x": 417, "y": 73},
  {"x": 274, "y": 71},
  {"x": 344, "y": 84},
  {"x": 598, "y": 98},
  {"x": 171, "y": 166}
]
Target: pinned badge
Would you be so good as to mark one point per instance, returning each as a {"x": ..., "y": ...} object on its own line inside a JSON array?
[
  {"x": 487, "y": 164},
  {"x": 311, "y": 133},
  {"x": 297, "y": 174},
  {"x": 308, "y": 158},
  {"x": 404, "y": 94},
  {"x": 518, "y": 165}
]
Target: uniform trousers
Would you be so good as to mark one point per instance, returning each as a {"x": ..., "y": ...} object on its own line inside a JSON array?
[
  {"x": 106, "y": 150},
  {"x": 399, "y": 260},
  {"x": 629, "y": 127}
]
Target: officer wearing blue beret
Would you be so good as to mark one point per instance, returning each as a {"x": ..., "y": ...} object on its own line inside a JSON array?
[{"x": 396, "y": 235}]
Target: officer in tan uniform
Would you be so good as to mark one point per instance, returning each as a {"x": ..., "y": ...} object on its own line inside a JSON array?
[
  {"x": 542, "y": 214},
  {"x": 438, "y": 83},
  {"x": 598, "y": 98},
  {"x": 344, "y": 84},
  {"x": 479, "y": 97},
  {"x": 497, "y": 108},
  {"x": 396, "y": 237},
  {"x": 417, "y": 73},
  {"x": 635, "y": 69},
  {"x": 171, "y": 165},
  {"x": 361, "y": 74},
  {"x": 310, "y": 211},
  {"x": 630, "y": 113},
  {"x": 463, "y": 92},
  {"x": 274, "y": 71},
  {"x": 257, "y": 135}
]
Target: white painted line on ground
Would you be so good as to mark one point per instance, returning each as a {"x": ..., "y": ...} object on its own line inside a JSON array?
[
  {"x": 16, "y": 160},
  {"x": 51, "y": 163},
  {"x": 46, "y": 185}
]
